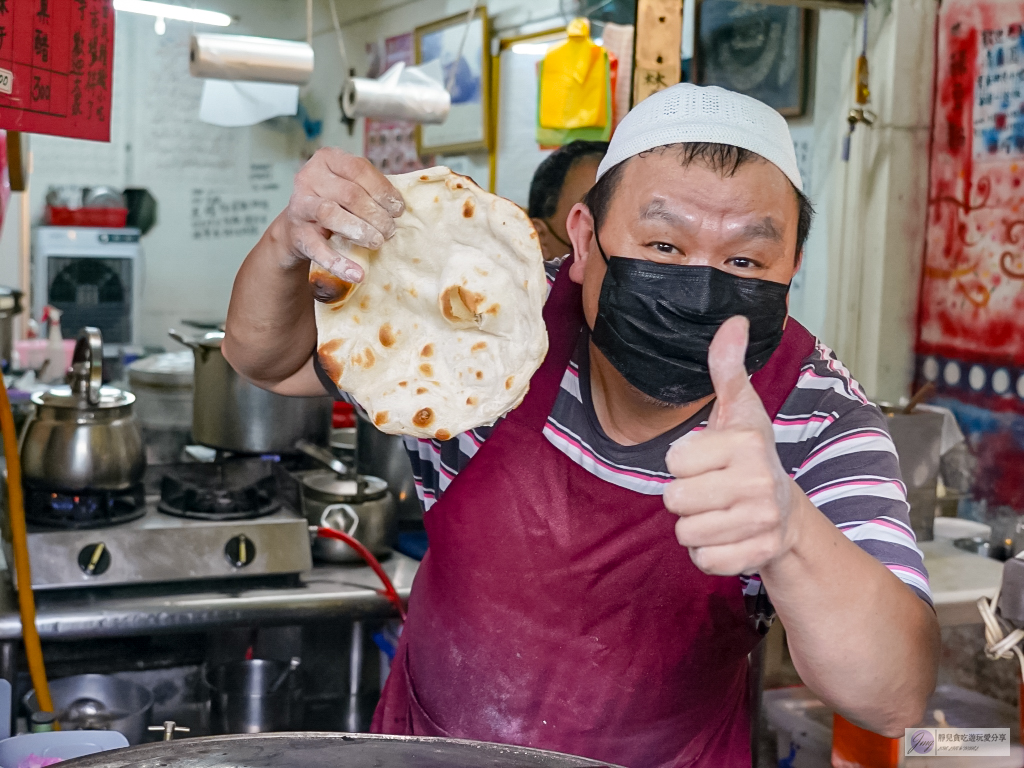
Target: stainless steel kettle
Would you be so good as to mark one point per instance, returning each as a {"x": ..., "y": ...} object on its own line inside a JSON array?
[{"x": 83, "y": 436}]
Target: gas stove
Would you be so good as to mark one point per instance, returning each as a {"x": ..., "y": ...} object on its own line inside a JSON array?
[{"x": 230, "y": 520}]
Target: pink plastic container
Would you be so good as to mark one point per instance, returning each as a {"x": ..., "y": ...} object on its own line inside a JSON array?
[{"x": 30, "y": 354}]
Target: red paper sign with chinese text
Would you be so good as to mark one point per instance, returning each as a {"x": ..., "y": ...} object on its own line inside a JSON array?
[{"x": 56, "y": 58}]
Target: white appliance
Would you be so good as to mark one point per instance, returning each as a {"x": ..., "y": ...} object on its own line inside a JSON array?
[{"x": 93, "y": 276}]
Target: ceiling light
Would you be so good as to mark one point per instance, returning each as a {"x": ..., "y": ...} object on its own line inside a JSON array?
[{"x": 176, "y": 12}]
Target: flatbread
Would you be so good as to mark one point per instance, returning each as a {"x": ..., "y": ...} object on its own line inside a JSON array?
[{"x": 445, "y": 330}]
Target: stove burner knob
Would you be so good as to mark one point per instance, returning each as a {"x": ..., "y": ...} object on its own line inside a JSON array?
[
  {"x": 94, "y": 559},
  {"x": 240, "y": 551}
]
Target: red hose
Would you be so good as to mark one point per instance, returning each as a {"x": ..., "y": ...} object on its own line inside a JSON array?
[{"x": 389, "y": 589}]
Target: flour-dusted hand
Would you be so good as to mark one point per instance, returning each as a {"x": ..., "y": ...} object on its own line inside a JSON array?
[
  {"x": 734, "y": 500},
  {"x": 338, "y": 193}
]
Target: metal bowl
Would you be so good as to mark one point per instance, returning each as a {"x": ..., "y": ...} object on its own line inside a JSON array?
[
  {"x": 99, "y": 703},
  {"x": 329, "y": 750}
]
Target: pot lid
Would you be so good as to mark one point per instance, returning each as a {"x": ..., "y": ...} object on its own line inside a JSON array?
[
  {"x": 330, "y": 750},
  {"x": 65, "y": 397},
  {"x": 167, "y": 369},
  {"x": 212, "y": 340},
  {"x": 328, "y": 483}
]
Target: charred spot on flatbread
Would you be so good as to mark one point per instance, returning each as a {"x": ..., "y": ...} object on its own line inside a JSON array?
[
  {"x": 443, "y": 434},
  {"x": 386, "y": 335},
  {"x": 380, "y": 418},
  {"x": 467, "y": 209},
  {"x": 427, "y": 351},
  {"x": 424, "y": 417},
  {"x": 427, "y": 369},
  {"x": 365, "y": 359},
  {"x": 327, "y": 288},
  {"x": 332, "y": 366}
]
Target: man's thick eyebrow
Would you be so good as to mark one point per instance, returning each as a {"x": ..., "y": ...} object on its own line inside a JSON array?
[
  {"x": 765, "y": 229},
  {"x": 657, "y": 210}
]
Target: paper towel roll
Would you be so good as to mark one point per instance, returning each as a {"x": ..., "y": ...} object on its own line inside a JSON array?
[
  {"x": 260, "y": 59},
  {"x": 231, "y": 104},
  {"x": 401, "y": 93}
]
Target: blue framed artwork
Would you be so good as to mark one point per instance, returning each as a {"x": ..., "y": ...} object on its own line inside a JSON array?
[{"x": 466, "y": 129}]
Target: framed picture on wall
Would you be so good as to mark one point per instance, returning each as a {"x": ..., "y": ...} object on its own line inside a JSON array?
[
  {"x": 758, "y": 50},
  {"x": 466, "y": 129}
]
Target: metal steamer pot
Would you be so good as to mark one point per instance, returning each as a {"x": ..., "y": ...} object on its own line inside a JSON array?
[
  {"x": 232, "y": 414},
  {"x": 162, "y": 385},
  {"x": 361, "y": 507},
  {"x": 83, "y": 436},
  {"x": 329, "y": 750},
  {"x": 10, "y": 307}
]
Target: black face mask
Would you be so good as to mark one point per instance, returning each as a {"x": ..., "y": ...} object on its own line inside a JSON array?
[{"x": 655, "y": 323}]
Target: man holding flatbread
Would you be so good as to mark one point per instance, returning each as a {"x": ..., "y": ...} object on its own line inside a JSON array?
[{"x": 605, "y": 556}]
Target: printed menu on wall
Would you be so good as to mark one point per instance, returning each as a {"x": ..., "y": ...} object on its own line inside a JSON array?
[{"x": 56, "y": 59}]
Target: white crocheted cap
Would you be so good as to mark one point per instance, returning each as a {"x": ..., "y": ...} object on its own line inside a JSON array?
[{"x": 691, "y": 113}]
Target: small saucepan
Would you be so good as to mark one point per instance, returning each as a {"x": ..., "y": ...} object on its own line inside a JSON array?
[{"x": 361, "y": 506}]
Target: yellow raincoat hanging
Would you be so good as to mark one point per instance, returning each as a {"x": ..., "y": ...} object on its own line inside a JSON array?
[{"x": 574, "y": 82}]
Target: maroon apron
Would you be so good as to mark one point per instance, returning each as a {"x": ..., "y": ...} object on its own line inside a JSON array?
[{"x": 557, "y": 610}]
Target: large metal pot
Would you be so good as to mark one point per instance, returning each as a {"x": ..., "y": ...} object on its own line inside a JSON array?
[
  {"x": 918, "y": 439},
  {"x": 99, "y": 703},
  {"x": 330, "y": 750},
  {"x": 232, "y": 414},
  {"x": 162, "y": 385},
  {"x": 254, "y": 696},
  {"x": 385, "y": 456},
  {"x": 361, "y": 507},
  {"x": 83, "y": 436}
]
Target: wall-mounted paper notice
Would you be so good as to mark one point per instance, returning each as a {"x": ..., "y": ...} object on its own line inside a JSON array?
[{"x": 232, "y": 103}]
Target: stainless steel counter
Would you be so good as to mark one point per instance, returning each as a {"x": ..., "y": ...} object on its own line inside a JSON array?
[{"x": 324, "y": 592}]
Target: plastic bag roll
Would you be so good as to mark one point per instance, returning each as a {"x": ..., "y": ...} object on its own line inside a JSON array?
[
  {"x": 260, "y": 59},
  {"x": 401, "y": 93}
]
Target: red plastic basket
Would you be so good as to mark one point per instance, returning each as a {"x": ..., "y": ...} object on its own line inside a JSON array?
[
  {"x": 86, "y": 217},
  {"x": 343, "y": 416}
]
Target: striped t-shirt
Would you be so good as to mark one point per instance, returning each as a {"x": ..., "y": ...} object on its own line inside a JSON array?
[{"x": 830, "y": 439}]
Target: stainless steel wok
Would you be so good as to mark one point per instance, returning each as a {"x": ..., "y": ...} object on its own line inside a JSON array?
[{"x": 328, "y": 750}]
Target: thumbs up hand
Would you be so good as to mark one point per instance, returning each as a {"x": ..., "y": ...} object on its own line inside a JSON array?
[{"x": 735, "y": 502}]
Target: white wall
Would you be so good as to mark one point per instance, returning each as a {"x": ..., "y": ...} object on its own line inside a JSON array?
[
  {"x": 825, "y": 123},
  {"x": 857, "y": 287},
  {"x": 157, "y": 141}
]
